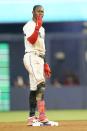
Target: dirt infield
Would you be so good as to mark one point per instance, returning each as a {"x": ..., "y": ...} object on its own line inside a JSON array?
[{"x": 63, "y": 126}]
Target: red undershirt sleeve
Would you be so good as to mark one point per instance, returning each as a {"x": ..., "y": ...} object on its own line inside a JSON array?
[{"x": 32, "y": 39}]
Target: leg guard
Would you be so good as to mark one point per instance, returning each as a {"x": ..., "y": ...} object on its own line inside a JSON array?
[
  {"x": 40, "y": 91},
  {"x": 41, "y": 102},
  {"x": 32, "y": 102}
]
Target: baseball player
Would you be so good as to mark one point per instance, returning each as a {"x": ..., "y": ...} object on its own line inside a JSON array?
[{"x": 35, "y": 64}]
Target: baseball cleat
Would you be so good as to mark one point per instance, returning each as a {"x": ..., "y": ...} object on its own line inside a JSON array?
[
  {"x": 31, "y": 120},
  {"x": 49, "y": 123},
  {"x": 37, "y": 123},
  {"x": 34, "y": 121}
]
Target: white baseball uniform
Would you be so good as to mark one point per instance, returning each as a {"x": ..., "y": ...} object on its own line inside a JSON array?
[{"x": 32, "y": 60}]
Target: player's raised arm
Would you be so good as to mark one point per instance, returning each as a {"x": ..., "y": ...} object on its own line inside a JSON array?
[{"x": 32, "y": 39}]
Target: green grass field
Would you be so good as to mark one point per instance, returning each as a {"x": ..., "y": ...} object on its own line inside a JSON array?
[{"x": 55, "y": 115}]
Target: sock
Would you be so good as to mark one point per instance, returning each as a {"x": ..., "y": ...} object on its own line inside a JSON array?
[{"x": 32, "y": 103}]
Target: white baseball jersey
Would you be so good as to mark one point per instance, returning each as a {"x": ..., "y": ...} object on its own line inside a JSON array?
[
  {"x": 39, "y": 45},
  {"x": 32, "y": 62}
]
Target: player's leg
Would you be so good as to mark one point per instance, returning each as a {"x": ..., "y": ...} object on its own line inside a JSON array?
[
  {"x": 33, "y": 87},
  {"x": 32, "y": 100}
]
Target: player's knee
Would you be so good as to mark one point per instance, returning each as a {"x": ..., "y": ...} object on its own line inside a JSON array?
[{"x": 40, "y": 91}]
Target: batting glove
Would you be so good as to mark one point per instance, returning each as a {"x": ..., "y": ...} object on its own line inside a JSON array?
[{"x": 47, "y": 70}]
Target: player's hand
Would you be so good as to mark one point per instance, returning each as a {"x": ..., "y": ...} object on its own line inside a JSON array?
[
  {"x": 38, "y": 22},
  {"x": 47, "y": 70}
]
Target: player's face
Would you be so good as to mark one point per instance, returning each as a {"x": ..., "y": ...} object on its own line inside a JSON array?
[{"x": 38, "y": 11}]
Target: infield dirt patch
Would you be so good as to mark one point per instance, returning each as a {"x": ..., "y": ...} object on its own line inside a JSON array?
[{"x": 63, "y": 126}]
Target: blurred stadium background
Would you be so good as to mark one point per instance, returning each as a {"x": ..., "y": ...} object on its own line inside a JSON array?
[{"x": 65, "y": 22}]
